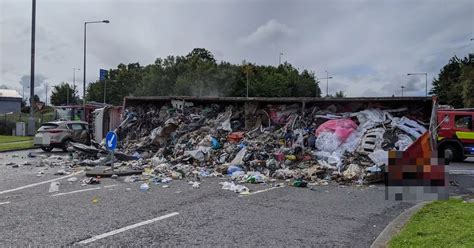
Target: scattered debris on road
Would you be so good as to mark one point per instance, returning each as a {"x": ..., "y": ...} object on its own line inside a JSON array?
[{"x": 250, "y": 144}]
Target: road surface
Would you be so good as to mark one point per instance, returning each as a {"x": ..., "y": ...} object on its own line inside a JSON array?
[{"x": 118, "y": 213}]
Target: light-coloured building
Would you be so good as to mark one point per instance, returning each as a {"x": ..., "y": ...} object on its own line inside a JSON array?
[{"x": 10, "y": 101}]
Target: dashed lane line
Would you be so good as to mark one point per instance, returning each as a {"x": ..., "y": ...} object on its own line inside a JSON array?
[
  {"x": 260, "y": 191},
  {"x": 84, "y": 190},
  {"x": 40, "y": 183},
  {"x": 123, "y": 229}
]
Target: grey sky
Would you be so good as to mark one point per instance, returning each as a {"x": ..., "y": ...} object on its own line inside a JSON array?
[{"x": 367, "y": 46}]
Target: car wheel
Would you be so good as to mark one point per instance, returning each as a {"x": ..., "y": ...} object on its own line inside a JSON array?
[
  {"x": 47, "y": 148},
  {"x": 66, "y": 145}
]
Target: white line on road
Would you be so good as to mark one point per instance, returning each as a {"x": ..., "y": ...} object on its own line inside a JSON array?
[
  {"x": 77, "y": 191},
  {"x": 260, "y": 191},
  {"x": 84, "y": 190},
  {"x": 1, "y": 203},
  {"x": 461, "y": 172},
  {"x": 36, "y": 184},
  {"x": 123, "y": 229}
]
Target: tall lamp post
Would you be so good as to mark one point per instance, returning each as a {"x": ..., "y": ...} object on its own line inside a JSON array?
[
  {"x": 327, "y": 83},
  {"x": 84, "y": 67},
  {"x": 403, "y": 87},
  {"x": 74, "y": 81},
  {"x": 426, "y": 79},
  {"x": 31, "y": 120}
]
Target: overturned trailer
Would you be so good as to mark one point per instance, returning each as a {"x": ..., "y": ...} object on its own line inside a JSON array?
[{"x": 308, "y": 138}]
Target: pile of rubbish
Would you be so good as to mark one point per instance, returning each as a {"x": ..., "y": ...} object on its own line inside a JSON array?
[{"x": 259, "y": 144}]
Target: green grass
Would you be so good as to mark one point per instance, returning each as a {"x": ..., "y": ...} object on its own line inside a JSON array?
[
  {"x": 17, "y": 145},
  {"x": 439, "y": 224},
  {"x": 7, "y": 139}
]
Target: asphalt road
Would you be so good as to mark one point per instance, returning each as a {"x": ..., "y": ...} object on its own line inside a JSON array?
[{"x": 118, "y": 213}]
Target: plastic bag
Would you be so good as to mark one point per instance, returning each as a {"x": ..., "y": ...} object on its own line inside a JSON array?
[
  {"x": 379, "y": 157},
  {"x": 341, "y": 127},
  {"x": 239, "y": 157},
  {"x": 327, "y": 142},
  {"x": 404, "y": 141},
  {"x": 54, "y": 187}
]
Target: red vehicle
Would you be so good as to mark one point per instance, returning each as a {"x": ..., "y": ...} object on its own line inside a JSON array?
[{"x": 456, "y": 133}]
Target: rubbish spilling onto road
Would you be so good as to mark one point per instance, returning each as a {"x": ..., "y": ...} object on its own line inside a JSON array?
[{"x": 252, "y": 143}]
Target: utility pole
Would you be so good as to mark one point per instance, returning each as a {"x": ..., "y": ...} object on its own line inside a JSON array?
[
  {"x": 403, "y": 87},
  {"x": 327, "y": 82},
  {"x": 31, "y": 120},
  {"x": 67, "y": 94},
  {"x": 105, "y": 88},
  {"x": 74, "y": 82},
  {"x": 46, "y": 92},
  {"x": 84, "y": 67}
]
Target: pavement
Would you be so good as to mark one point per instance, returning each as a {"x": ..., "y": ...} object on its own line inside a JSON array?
[{"x": 118, "y": 213}]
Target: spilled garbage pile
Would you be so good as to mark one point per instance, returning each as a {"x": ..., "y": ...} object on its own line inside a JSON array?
[{"x": 259, "y": 144}]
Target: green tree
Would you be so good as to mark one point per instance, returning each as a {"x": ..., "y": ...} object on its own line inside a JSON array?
[
  {"x": 467, "y": 81},
  {"x": 119, "y": 83},
  {"x": 59, "y": 94},
  {"x": 199, "y": 74},
  {"x": 449, "y": 84},
  {"x": 340, "y": 94}
]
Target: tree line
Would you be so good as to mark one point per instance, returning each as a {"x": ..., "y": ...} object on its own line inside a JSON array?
[
  {"x": 455, "y": 83},
  {"x": 199, "y": 74}
]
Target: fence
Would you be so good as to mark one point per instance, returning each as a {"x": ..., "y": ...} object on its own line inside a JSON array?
[{"x": 8, "y": 120}]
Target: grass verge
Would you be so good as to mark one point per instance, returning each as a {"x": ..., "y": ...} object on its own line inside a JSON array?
[
  {"x": 439, "y": 224},
  {"x": 8, "y": 143},
  {"x": 7, "y": 139}
]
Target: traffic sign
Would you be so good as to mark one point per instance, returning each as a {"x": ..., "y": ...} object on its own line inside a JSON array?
[
  {"x": 102, "y": 74},
  {"x": 111, "y": 140}
]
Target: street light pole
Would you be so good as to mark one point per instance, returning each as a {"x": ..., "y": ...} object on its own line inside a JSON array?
[
  {"x": 46, "y": 90},
  {"x": 74, "y": 81},
  {"x": 105, "y": 88},
  {"x": 426, "y": 79},
  {"x": 402, "y": 89},
  {"x": 84, "y": 66},
  {"x": 31, "y": 121},
  {"x": 279, "y": 58},
  {"x": 327, "y": 82}
]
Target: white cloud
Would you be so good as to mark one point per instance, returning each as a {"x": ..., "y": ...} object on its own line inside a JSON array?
[
  {"x": 368, "y": 47},
  {"x": 270, "y": 32}
]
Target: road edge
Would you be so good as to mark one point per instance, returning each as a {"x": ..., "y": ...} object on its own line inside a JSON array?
[
  {"x": 395, "y": 226},
  {"x": 20, "y": 149}
]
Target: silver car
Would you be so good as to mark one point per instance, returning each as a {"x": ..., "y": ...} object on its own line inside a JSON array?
[{"x": 60, "y": 134}]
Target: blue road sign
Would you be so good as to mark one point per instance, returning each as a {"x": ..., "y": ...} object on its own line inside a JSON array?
[
  {"x": 102, "y": 74},
  {"x": 111, "y": 141}
]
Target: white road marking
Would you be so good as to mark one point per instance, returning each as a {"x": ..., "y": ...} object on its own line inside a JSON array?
[
  {"x": 40, "y": 183},
  {"x": 1, "y": 203},
  {"x": 76, "y": 191},
  {"x": 260, "y": 191},
  {"x": 123, "y": 229},
  {"x": 461, "y": 172},
  {"x": 84, "y": 190}
]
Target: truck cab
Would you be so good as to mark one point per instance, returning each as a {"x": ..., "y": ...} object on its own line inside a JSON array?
[{"x": 456, "y": 133}]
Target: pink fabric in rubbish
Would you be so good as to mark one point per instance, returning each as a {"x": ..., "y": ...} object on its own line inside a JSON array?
[{"x": 341, "y": 127}]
